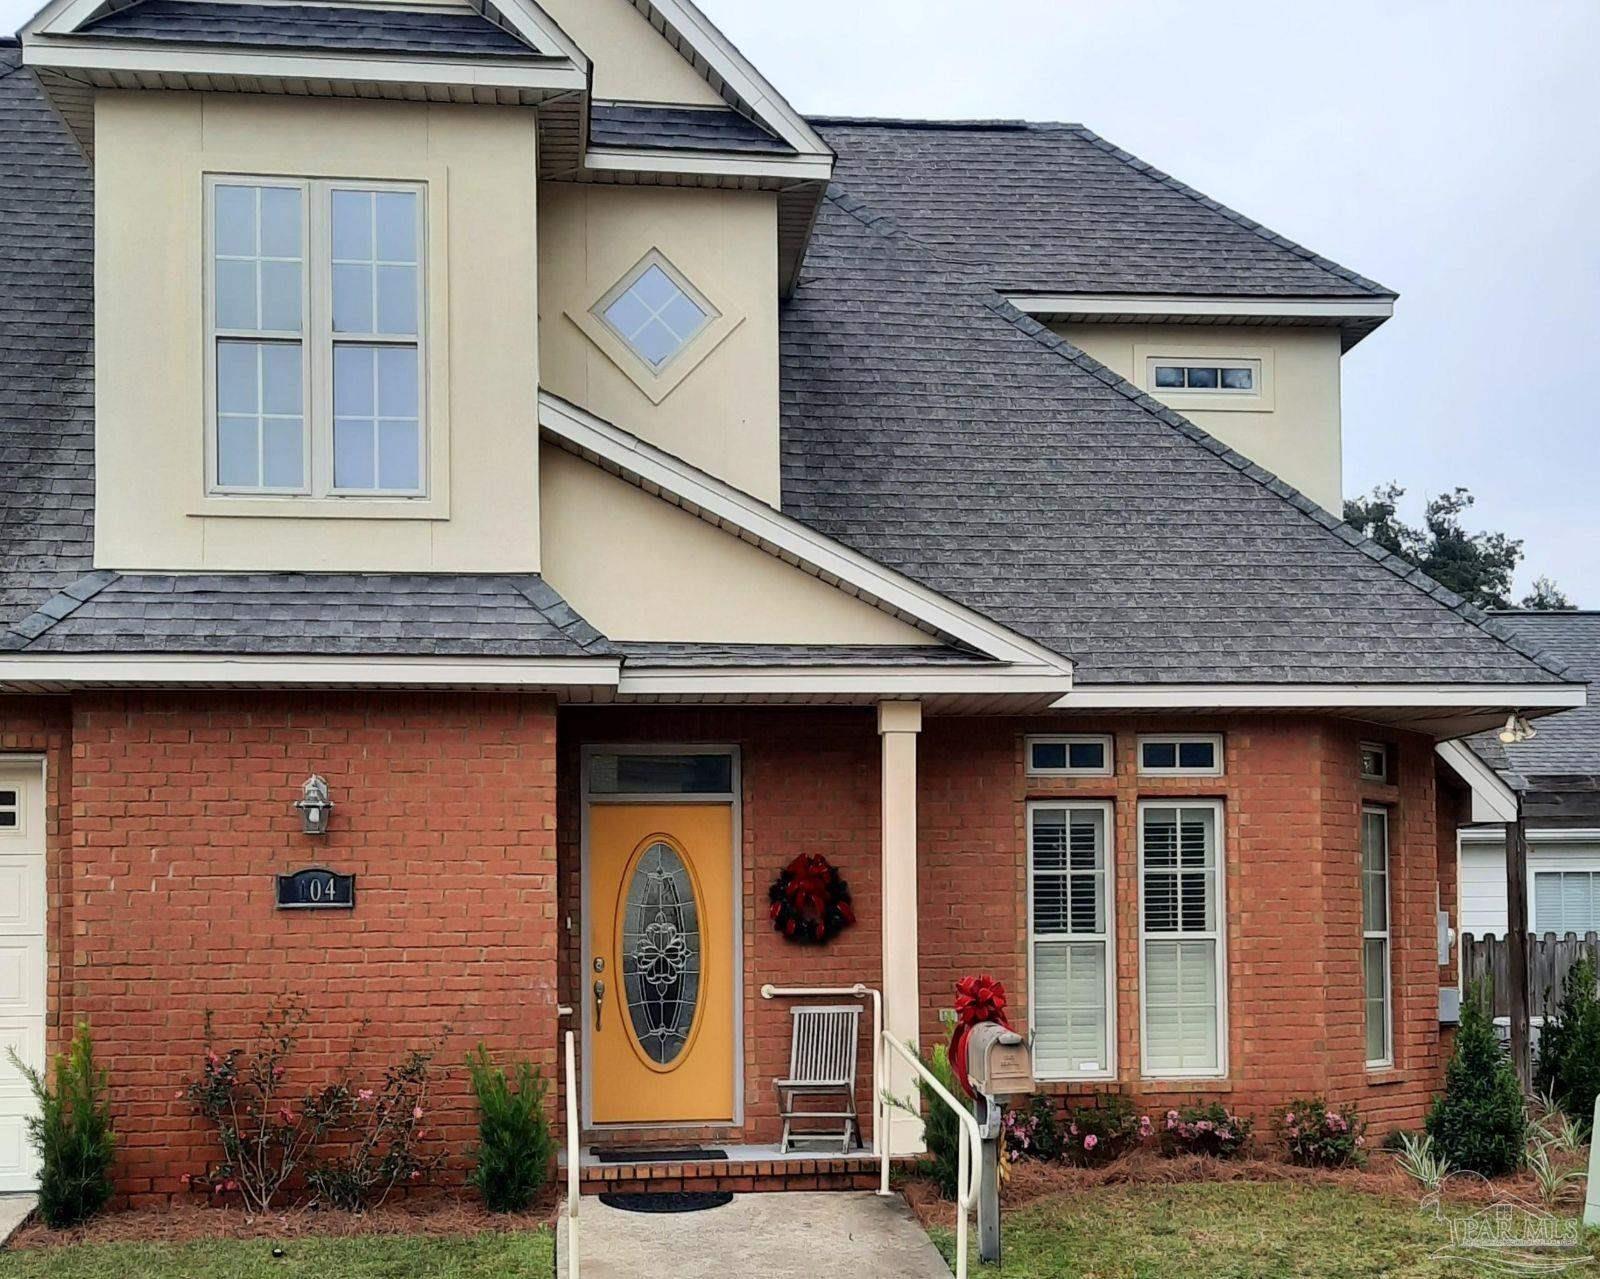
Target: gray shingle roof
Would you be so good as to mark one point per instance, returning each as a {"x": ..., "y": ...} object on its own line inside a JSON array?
[
  {"x": 629, "y": 124},
  {"x": 1054, "y": 208},
  {"x": 320, "y": 614},
  {"x": 46, "y": 345},
  {"x": 1568, "y": 744},
  {"x": 928, "y": 424},
  {"x": 311, "y": 27}
]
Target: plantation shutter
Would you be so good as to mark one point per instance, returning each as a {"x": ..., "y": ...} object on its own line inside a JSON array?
[
  {"x": 1180, "y": 880},
  {"x": 1071, "y": 931}
]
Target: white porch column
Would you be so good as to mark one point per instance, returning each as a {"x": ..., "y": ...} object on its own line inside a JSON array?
[{"x": 898, "y": 726}]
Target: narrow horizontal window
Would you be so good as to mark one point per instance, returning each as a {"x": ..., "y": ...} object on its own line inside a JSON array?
[
  {"x": 1056, "y": 756},
  {"x": 660, "y": 774},
  {"x": 1242, "y": 377},
  {"x": 1189, "y": 754}
]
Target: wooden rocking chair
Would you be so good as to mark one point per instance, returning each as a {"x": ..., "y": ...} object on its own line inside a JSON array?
[{"x": 822, "y": 1064}]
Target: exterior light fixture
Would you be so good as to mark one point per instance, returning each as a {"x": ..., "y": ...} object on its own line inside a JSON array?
[
  {"x": 1517, "y": 729},
  {"x": 314, "y": 805}
]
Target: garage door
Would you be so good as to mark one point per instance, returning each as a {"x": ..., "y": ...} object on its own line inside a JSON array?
[{"x": 22, "y": 915}]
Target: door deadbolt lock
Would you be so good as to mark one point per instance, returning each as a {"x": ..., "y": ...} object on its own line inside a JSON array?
[{"x": 599, "y": 963}]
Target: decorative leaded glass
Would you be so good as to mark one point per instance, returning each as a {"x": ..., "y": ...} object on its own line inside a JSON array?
[{"x": 661, "y": 953}]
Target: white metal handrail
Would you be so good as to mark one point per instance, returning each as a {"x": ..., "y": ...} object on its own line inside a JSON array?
[
  {"x": 880, "y": 1110},
  {"x": 969, "y": 1149},
  {"x": 572, "y": 1158}
]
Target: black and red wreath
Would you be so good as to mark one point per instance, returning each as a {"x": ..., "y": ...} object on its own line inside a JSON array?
[{"x": 810, "y": 901}]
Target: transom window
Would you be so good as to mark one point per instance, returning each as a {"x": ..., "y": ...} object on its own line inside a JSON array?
[
  {"x": 1054, "y": 756},
  {"x": 1566, "y": 901},
  {"x": 316, "y": 346},
  {"x": 655, "y": 311},
  {"x": 1181, "y": 943},
  {"x": 1241, "y": 378},
  {"x": 1375, "y": 934},
  {"x": 1181, "y": 754},
  {"x": 1071, "y": 927}
]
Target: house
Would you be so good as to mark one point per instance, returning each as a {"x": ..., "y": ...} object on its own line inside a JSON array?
[
  {"x": 1555, "y": 776},
  {"x": 612, "y": 485}
]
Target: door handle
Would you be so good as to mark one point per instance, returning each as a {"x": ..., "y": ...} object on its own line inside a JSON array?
[{"x": 599, "y": 1001}]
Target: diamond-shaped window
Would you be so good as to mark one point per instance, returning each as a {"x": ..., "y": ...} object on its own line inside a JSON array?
[{"x": 655, "y": 311}]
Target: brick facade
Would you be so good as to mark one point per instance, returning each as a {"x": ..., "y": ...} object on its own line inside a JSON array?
[{"x": 461, "y": 816}]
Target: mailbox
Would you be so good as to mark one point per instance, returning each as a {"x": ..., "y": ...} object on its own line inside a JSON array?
[{"x": 999, "y": 1063}]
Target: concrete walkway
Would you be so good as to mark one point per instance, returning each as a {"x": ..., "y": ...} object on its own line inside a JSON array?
[
  {"x": 774, "y": 1236},
  {"x": 14, "y": 1210}
]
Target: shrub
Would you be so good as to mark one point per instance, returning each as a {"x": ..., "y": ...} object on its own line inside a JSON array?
[
  {"x": 1098, "y": 1134},
  {"x": 515, "y": 1147},
  {"x": 72, "y": 1134},
  {"x": 1569, "y": 1046},
  {"x": 383, "y": 1148},
  {"x": 1211, "y": 1129},
  {"x": 265, "y": 1140},
  {"x": 1480, "y": 1123},
  {"x": 1317, "y": 1137},
  {"x": 941, "y": 1129},
  {"x": 1033, "y": 1132}
]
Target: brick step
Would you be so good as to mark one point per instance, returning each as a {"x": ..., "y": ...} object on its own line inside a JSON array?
[{"x": 741, "y": 1177}]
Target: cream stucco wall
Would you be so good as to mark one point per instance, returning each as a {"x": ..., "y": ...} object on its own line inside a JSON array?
[
  {"x": 631, "y": 60},
  {"x": 1292, "y": 429},
  {"x": 639, "y": 568},
  {"x": 722, "y": 415},
  {"x": 480, "y": 166}
]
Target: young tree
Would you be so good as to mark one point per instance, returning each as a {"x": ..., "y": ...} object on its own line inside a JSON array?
[
  {"x": 1547, "y": 597},
  {"x": 1480, "y": 1122},
  {"x": 1476, "y": 566}
]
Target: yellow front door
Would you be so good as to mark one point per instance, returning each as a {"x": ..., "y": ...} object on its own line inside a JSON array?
[{"x": 660, "y": 963}]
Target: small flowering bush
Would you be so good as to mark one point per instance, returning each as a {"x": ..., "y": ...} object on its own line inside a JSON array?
[
  {"x": 1033, "y": 1132},
  {"x": 266, "y": 1137},
  {"x": 385, "y": 1148},
  {"x": 1211, "y": 1129},
  {"x": 1101, "y": 1133},
  {"x": 1317, "y": 1137}
]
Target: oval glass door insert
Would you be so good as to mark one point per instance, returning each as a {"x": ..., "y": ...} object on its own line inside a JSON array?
[{"x": 661, "y": 953}]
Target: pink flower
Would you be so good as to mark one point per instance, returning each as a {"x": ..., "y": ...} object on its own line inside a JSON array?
[
  {"x": 1073, "y": 1129},
  {"x": 184, "y": 1181},
  {"x": 1090, "y": 1142},
  {"x": 1225, "y": 1134},
  {"x": 417, "y": 1113},
  {"x": 364, "y": 1095},
  {"x": 1146, "y": 1128},
  {"x": 1205, "y": 1125},
  {"x": 1361, "y": 1141}
]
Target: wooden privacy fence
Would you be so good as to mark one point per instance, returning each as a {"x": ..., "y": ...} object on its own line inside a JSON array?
[{"x": 1549, "y": 958}]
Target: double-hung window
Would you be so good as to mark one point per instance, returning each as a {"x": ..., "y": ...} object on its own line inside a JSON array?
[
  {"x": 1071, "y": 932},
  {"x": 1182, "y": 954},
  {"x": 1375, "y": 935},
  {"x": 1566, "y": 901},
  {"x": 316, "y": 338}
]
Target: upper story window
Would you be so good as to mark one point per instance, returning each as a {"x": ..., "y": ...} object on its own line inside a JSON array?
[
  {"x": 1084, "y": 756},
  {"x": 316, "y": 338},
  {"x": 655, "y": 311},
  {"x": 1182, "y": 755},
  {"x": 1212, "y": 377}
]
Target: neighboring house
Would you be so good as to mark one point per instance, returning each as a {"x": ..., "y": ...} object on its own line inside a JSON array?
[
  {"x": 615, "y": 484},
  {"x": 1556, "y": 776}
]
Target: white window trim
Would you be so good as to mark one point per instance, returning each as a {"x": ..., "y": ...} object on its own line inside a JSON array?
[
  {"x": 1385, "y": 934},
  {"x": 1383, "y": 751},
  {"x": 317, "y": 340},
  {"x": 1219, "y": 934},
  {"x": 1108, "y": 938},
  {"x": 1178, "y": 770},
  {"x": 1252, "y": 365},
  {"x": 1069, "y": 740},
  {"x": 1214, "y": 354}
]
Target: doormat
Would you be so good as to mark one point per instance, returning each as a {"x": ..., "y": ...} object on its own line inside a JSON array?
[
  {"x": 677, "y": 1201},
  {"x": 674, "y": 1155}
]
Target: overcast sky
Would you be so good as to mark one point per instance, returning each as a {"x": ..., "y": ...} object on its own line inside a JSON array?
[{"x": 1448, "y": 148}]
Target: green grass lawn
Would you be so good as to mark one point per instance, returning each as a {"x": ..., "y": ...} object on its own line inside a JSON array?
[
  {"x": 1236, "y": 1230},
  {"x": 502, "y": 1256}
]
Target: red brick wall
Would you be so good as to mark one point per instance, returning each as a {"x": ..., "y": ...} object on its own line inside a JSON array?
[{"x": 182, "y": 814}]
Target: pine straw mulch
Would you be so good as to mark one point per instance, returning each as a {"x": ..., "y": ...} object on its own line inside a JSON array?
[
  {"x": 1031, "y": 1180},
  {"x": 428, "y": 1215}
]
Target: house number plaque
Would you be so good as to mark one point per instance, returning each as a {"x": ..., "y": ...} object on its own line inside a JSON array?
[{"x": 316, "y": 888}]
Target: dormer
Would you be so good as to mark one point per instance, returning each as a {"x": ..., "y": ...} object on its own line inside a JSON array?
[{"x": 340, "y": 248}]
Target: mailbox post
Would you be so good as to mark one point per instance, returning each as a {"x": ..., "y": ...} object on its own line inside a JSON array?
[{"x": 999, "y": 1065}]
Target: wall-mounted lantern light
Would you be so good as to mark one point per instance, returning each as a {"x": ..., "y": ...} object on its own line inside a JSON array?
[{"x": 314, "y": 805}]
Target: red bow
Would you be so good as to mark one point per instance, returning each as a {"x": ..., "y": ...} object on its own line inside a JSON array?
[{"x": 978, "y": 1000}]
